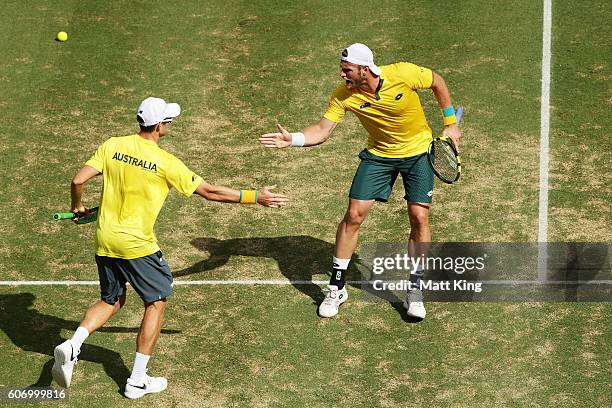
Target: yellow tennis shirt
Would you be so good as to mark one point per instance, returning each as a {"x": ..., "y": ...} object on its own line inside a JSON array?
[
  {"x": 138, "y": 175},
  {"x": 393, "y": 115}
]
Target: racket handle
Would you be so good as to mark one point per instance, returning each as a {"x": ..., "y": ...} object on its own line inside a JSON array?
[
  {"x": 459, "y": 113},
  {"x": 92, "y": 216},
  {"x": 63, "y": 215}
]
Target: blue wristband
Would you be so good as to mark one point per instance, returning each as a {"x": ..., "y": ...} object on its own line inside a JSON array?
[{"x": 449, "y": 111}]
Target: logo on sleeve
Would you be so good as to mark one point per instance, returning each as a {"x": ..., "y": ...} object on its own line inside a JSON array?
[
  {"x": 365, "y": 105},
  {"x": 398, "y": 96}
]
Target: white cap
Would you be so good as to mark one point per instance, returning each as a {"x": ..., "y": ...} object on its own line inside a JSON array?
[
  {"x": 360, "y": 54},
  {"x": 154, "y": 110}
]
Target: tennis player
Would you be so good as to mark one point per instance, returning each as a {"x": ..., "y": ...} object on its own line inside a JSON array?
[
  {"x": 386, "y": 102},
  {"x": 138, "y": 175}
]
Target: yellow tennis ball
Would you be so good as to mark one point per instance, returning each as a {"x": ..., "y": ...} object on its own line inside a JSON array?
[{"x": 62, "y": 36}]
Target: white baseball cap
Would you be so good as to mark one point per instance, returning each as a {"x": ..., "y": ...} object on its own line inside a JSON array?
[
  {"x": 360, "y": 54},
  {"x": 154, "y": 110}
]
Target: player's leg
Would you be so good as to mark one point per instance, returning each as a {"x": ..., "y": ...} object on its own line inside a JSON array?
[
  {"x": 418, "y": 214},
  {"x": 99, "y": 313},
  {"x": 152, "y": 280},
  {"x": 139, "y": 382},
  {"x": 418, "y": 184},
  {"x": 373, "y": 181},
  {"x": 420, "y": 237},
  {"x": 112, "y": 292},
  {"x": 347, "y": 236},
  {"x": 150, "y": 327},
  {"x": 346, "y": 242}
]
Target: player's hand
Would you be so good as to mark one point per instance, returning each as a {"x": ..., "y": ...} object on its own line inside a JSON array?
[
  {"x": 454, "y": 133},
  {"x": 80, "y": 211},
  {"x": 279, "y": 140},
  {"x": 269, "y": 199}
]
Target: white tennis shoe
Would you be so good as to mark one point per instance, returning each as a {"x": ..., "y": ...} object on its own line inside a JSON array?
[
  {"x": 65, "y": 360},
  {"x": 147, "y": 385},
  {"x": 414, "y": 304},
  {"x": 333, "y": 299}
]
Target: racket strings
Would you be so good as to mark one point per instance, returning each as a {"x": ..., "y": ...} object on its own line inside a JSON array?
[{"x": 444, "y": 160}]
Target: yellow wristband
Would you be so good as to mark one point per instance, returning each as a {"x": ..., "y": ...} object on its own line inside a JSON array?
[
  {"x": 449, "y": 120},
  {"x": 248, "y": 196}
]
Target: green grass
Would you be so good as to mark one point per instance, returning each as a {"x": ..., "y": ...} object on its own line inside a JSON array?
[
  {"x": 237, "y": 67},
  {"x": 580, "y": 190}
]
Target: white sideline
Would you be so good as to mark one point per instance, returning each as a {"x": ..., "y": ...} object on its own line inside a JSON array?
[{"x": 544, "y": 141}]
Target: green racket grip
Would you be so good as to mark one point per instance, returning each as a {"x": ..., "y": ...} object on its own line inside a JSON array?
[
  {"x": 92, "y": 216},
  {"x": 64, "y": 215}
]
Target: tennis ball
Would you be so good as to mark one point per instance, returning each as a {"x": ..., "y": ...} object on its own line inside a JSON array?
[{"x": 62, "y": 36}]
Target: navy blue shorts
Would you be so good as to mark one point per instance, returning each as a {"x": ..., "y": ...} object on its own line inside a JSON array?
[{"x": 150, "y": 276}]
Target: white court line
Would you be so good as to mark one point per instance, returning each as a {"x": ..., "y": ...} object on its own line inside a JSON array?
[
  {"x": 544, "y": 142},
  {"x": 176, "y": 282},
  {"x": 283, "y": 282}
]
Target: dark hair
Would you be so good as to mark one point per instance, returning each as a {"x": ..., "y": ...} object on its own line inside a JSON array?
[{"x": 145, "y": 129}]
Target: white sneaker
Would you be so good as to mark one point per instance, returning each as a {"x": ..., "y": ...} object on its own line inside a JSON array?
[
  {"x": 414, "y": 298},
  {"x": 414, "y": 304},
  {"x": 65, "y": 359},
  {"x": 147, "y": 385},
  {"x": 415, "y": 309},
  {"x": 333, "y": 299}
]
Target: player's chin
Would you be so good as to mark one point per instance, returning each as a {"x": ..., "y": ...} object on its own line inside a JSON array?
[{"x": 349, "y": 84}]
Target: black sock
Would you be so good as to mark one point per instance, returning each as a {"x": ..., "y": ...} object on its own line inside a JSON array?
[
  {"x": 337, "y": 277},
  {"x": 415, "y": 280}
]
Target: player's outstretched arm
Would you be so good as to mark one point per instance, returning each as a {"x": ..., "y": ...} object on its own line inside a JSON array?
[
  {"x": 313, "y": 135},
  {"x": 223, "y": 194}
]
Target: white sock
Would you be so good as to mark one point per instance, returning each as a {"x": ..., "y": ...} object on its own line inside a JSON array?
[
  {"x": 140, "y": 366},
  {"x": 341, "y": 263},
  {"x": 79, "y": 337}
]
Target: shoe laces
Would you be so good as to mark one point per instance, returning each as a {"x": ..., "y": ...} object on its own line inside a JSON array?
[{"x": 330, "y": 295}]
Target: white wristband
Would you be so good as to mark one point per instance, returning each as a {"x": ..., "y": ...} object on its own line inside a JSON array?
[{"x": 297, "y": 139}]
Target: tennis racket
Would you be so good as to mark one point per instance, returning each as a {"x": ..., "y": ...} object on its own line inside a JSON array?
[
  {"x": 91, "y": 217},
  {"x": 444, "y": 157}
]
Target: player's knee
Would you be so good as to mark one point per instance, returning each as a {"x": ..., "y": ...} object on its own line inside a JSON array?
[
  {"x": 119, "y": 304},
  {"x": 354, "y": 217},
  {"x": 419, "y": 219},
  {"x": 157, "y": 305}
]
